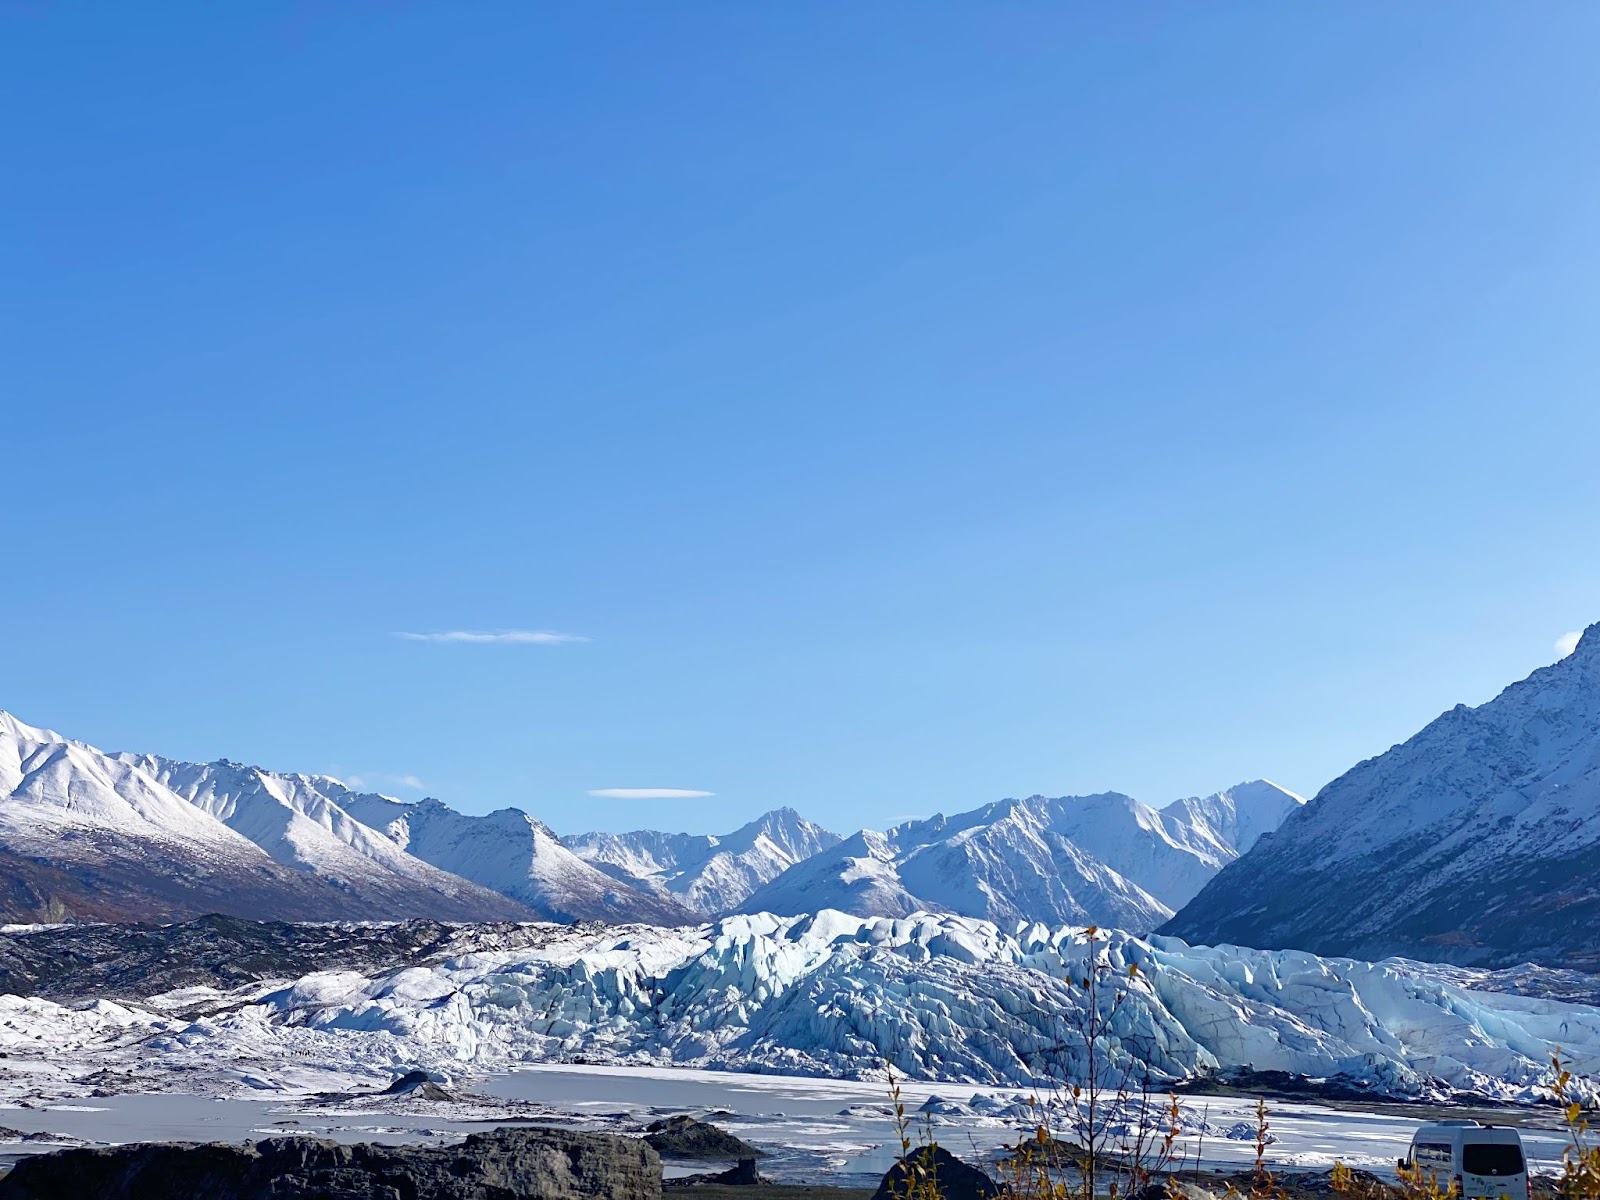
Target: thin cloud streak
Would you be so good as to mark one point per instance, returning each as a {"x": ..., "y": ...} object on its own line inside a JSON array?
[
  {"x": 364, "y": 781},
  {"x": 1568, "y": 642},
  {"x": 497, "y": 637},
  {"x": 649, "y": 794}
]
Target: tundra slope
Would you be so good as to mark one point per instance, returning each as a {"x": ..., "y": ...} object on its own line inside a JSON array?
[{"x": 1477, "y": 841}]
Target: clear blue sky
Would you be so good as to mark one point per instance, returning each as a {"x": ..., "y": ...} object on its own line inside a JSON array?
[{"x": 912, "y": 404}]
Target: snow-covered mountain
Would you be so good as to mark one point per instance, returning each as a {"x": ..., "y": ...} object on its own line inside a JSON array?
[
  {"x": 1238, "y": 817},
  {"x": 305, "y": 822},
  {"x": 1476, "y": 841},
  {"x": 517, "y": 856},
  {"x": 1104, "y": 859},
  {"x": 138, "y": 835},
  {"x": 119, "y": 836},
  {"x": 711, "y": 874},
  {"x": 89, "y": 834}
]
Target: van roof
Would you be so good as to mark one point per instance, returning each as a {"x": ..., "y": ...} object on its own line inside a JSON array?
[{"x": 1468, "y": 1130}]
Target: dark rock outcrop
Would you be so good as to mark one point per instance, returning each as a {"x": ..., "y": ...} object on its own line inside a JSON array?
[
  {"x": 685, "y": 1137},
  {"x": 956, "y": 1180},
  {"x": 505, "y": 1164},
  {"x": 743, "y": 1175},
  {"x": 418, "y": 1084}
]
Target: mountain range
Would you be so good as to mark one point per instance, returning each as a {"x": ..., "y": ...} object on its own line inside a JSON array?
[
  {"x": 1476, "y": 841},
  {"x": 125, "y": 836},
  {"x": 708, "y": 873},
  {"x": 105, "y": 836},
  {"x": 1105, "y": 859}
]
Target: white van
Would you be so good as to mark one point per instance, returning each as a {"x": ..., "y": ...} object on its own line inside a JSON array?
[{"x": 1476, "y": 1160}]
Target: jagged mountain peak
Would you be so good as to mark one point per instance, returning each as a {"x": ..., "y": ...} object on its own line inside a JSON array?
[{"x": 14, "y": 726}]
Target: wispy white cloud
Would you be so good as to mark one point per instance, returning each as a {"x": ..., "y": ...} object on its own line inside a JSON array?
[
  {"x": 1568, "y": 642},
  {"x": 648, "y": 794},
  {"x": 382, "y": 779},
  {"x": 497, "y": 637}
]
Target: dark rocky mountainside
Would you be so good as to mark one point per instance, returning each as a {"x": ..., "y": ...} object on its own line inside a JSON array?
[{"x": 500, "y": 1165}]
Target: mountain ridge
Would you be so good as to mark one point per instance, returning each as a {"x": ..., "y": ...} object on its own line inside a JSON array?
[
  {"x": 711, "y": 874},
  {"x": 1098, "y": 859},
  {"x": 139, "y": 836}
]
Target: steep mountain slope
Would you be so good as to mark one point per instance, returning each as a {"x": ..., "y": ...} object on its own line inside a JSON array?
[
  {"x": 708, "y": 873},
  {"x": 303, "y": 821},
  {"x": 85, "y": 834},
  {"x": 1476, "y": 841},
  {"x": 511, "y": 853}
]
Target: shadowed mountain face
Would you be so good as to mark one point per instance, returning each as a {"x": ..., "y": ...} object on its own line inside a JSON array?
[{"x": 1477, "y": 841}]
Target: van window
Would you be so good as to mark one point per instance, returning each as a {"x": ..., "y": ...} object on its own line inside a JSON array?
[
  {"x": 1479, "y": 1158},
  {"x": 1433, "y": 1158}
]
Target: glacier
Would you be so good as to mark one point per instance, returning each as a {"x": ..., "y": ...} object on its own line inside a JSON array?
[{"x": 939, "y": 997}]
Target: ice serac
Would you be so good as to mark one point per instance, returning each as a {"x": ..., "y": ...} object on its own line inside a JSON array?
[
  {"x": 711, "y": 874},
  {"x": 514, "y": 854},
  {"x": 91, "y": 835},
  {"x": 1477, "y": 841}
]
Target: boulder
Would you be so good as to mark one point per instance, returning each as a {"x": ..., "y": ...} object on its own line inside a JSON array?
[
  {"x": 685, "y": 1137},
  {"x": 418, "y": 1084},
  {"x": 513, "y": 1162},
  {"x": 956, "y": 1180},
  {"x": 743, "y": 1175}
]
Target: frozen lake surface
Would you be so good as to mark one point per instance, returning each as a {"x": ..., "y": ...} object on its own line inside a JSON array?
[{"x": 814, "y": 1130}]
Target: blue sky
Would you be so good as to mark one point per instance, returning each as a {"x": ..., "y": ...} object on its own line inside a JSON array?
[{"x": 908, "y": 405}]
